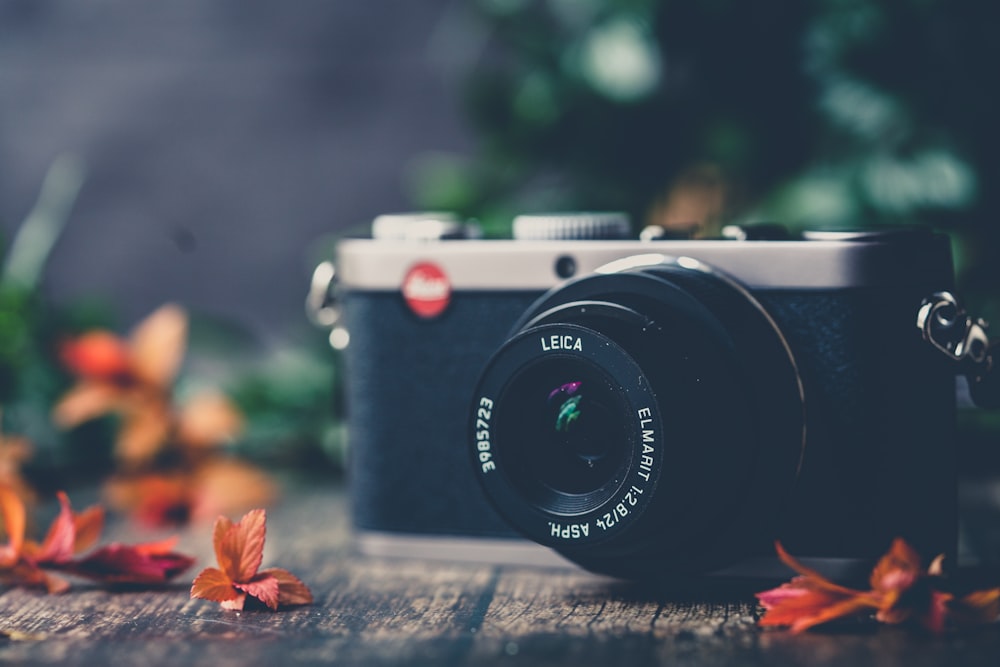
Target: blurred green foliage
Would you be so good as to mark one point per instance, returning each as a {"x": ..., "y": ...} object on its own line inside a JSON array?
[{"x": 814, "y": 113}]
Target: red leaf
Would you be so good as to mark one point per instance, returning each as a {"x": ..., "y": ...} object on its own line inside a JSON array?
[
  {"x": 126, "y": 564},
  {"x": 804, "y": 602},
  {"x": 58, "y": 544},
  {"x": 264, "y": 587},
  {"x": 936, "y": 615},
  {"x": 157, "y": 548},
  {"x": 901, "y": 591},
  {"x": 24, "y": 563},
  {"x": 810, "y": 599},
  {"x": 98, "y": 354}
]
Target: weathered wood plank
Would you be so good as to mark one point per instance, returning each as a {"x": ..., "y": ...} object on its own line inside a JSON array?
[{"x": 372, "y": 611}]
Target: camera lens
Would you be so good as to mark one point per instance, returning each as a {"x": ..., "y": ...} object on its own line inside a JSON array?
[
  {"x": 565, "y": 438},
  {"x": 644, "y": 419}
]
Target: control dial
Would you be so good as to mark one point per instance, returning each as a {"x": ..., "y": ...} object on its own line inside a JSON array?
[{"x": 567, "y": 226}]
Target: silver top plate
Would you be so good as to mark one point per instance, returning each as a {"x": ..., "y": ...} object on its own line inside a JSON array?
[{"x": 365, "y": 264}]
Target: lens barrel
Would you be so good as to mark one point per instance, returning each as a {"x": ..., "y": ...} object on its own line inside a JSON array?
[{"x": 641, "y": 422}]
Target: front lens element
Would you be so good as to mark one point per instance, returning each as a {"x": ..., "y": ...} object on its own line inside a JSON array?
[
  {"x": 572, "y": 446},
  {"x": 565, "y": 422},
  {"x": 581, "y": 422}
]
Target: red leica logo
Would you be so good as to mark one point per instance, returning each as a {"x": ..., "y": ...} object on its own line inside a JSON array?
[{"x": 426, "y": 290}]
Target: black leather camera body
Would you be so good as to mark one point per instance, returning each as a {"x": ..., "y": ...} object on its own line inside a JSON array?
[{"x": 645, "y": 408}]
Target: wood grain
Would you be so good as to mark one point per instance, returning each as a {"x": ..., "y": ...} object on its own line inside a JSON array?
[{"x": 372, "y": 611}]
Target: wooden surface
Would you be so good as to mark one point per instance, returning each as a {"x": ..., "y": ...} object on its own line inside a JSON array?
[{"x": 407, "y": 612}]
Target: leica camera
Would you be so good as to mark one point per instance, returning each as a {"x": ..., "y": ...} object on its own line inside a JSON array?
[{"x": 644, "y": 408}]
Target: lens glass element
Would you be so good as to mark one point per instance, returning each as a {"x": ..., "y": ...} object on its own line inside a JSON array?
[{"x": 565, "y": 428}]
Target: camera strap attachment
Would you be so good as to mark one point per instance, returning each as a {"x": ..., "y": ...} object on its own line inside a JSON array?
[
  {"x": 322, "y": 306},
  {"x": 963, "y": 338}
]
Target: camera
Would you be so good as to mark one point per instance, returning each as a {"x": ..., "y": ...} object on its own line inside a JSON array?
[{"x": 645, "y": 408}]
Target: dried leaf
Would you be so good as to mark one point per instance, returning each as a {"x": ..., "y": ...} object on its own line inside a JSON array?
[
  {"x": 14, "y": 521},
  {"x": 14, "y": 452},
  {"x": 87, "y": 525},
  {"x": 96, "y": 354},
  {"x": 208, "y": 419},
  {"x": 226, "y": 485},
  {"x": 213, "y": 584},
  {"x": 59, "y": 543},
  {"x": 238, "y": 549},
  {"x": 156, "y": 345},
  {"x": 897, "y": 569},
  {"x": 263, "y": 587},
  {"x": 86, "y": 401},
  {"x": 291, "y": 590},
  {"x": 132, "y": 378},
  {"x": 153, "y": 499},
  {"x": 216, "y": 485},
  {"x": 978, "y": 607},
  {"x": 25, "y": 563},
  {"x": 129, "y": 564},
  {"x": 810, "y": 599},
  {"x": 145, "y": 428},
  {"x": 901, "y": 591}
]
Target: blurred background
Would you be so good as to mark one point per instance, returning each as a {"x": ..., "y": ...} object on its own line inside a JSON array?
[{"x": 208, "y": 154}]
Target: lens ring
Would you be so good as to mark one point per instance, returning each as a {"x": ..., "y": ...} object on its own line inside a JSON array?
[
  {"x": 561, "y": 518},
  {"x": 732, "y": 424}
]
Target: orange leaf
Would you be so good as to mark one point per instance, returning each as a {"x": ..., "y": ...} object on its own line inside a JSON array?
[
  {"x": 977, "y": 607},
  {"x": 154, "y": 499},
  {"x": 144, "y": 431},
  {"x": 213, "y": 584},
  {"x": 224, "y": 485},
  {"x": 208, "y": 419},
  {"x": 157, "y": 548},
  {"x": 898, "y": 569},
  {"x": 14, "y": 452},
  {"x": 156, "y": 345},
  {"x": 815, "y": 578},
  {"x": 291, "y": 590},
  {"x": 240, "y": 547},
  {"x": 12, "y": 510},
  {"x": 87, "y": 526},
  {"x": 85, "y": 401}
]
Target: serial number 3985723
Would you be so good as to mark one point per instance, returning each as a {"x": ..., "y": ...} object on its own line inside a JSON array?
[{"x": 483, "y": 415}]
